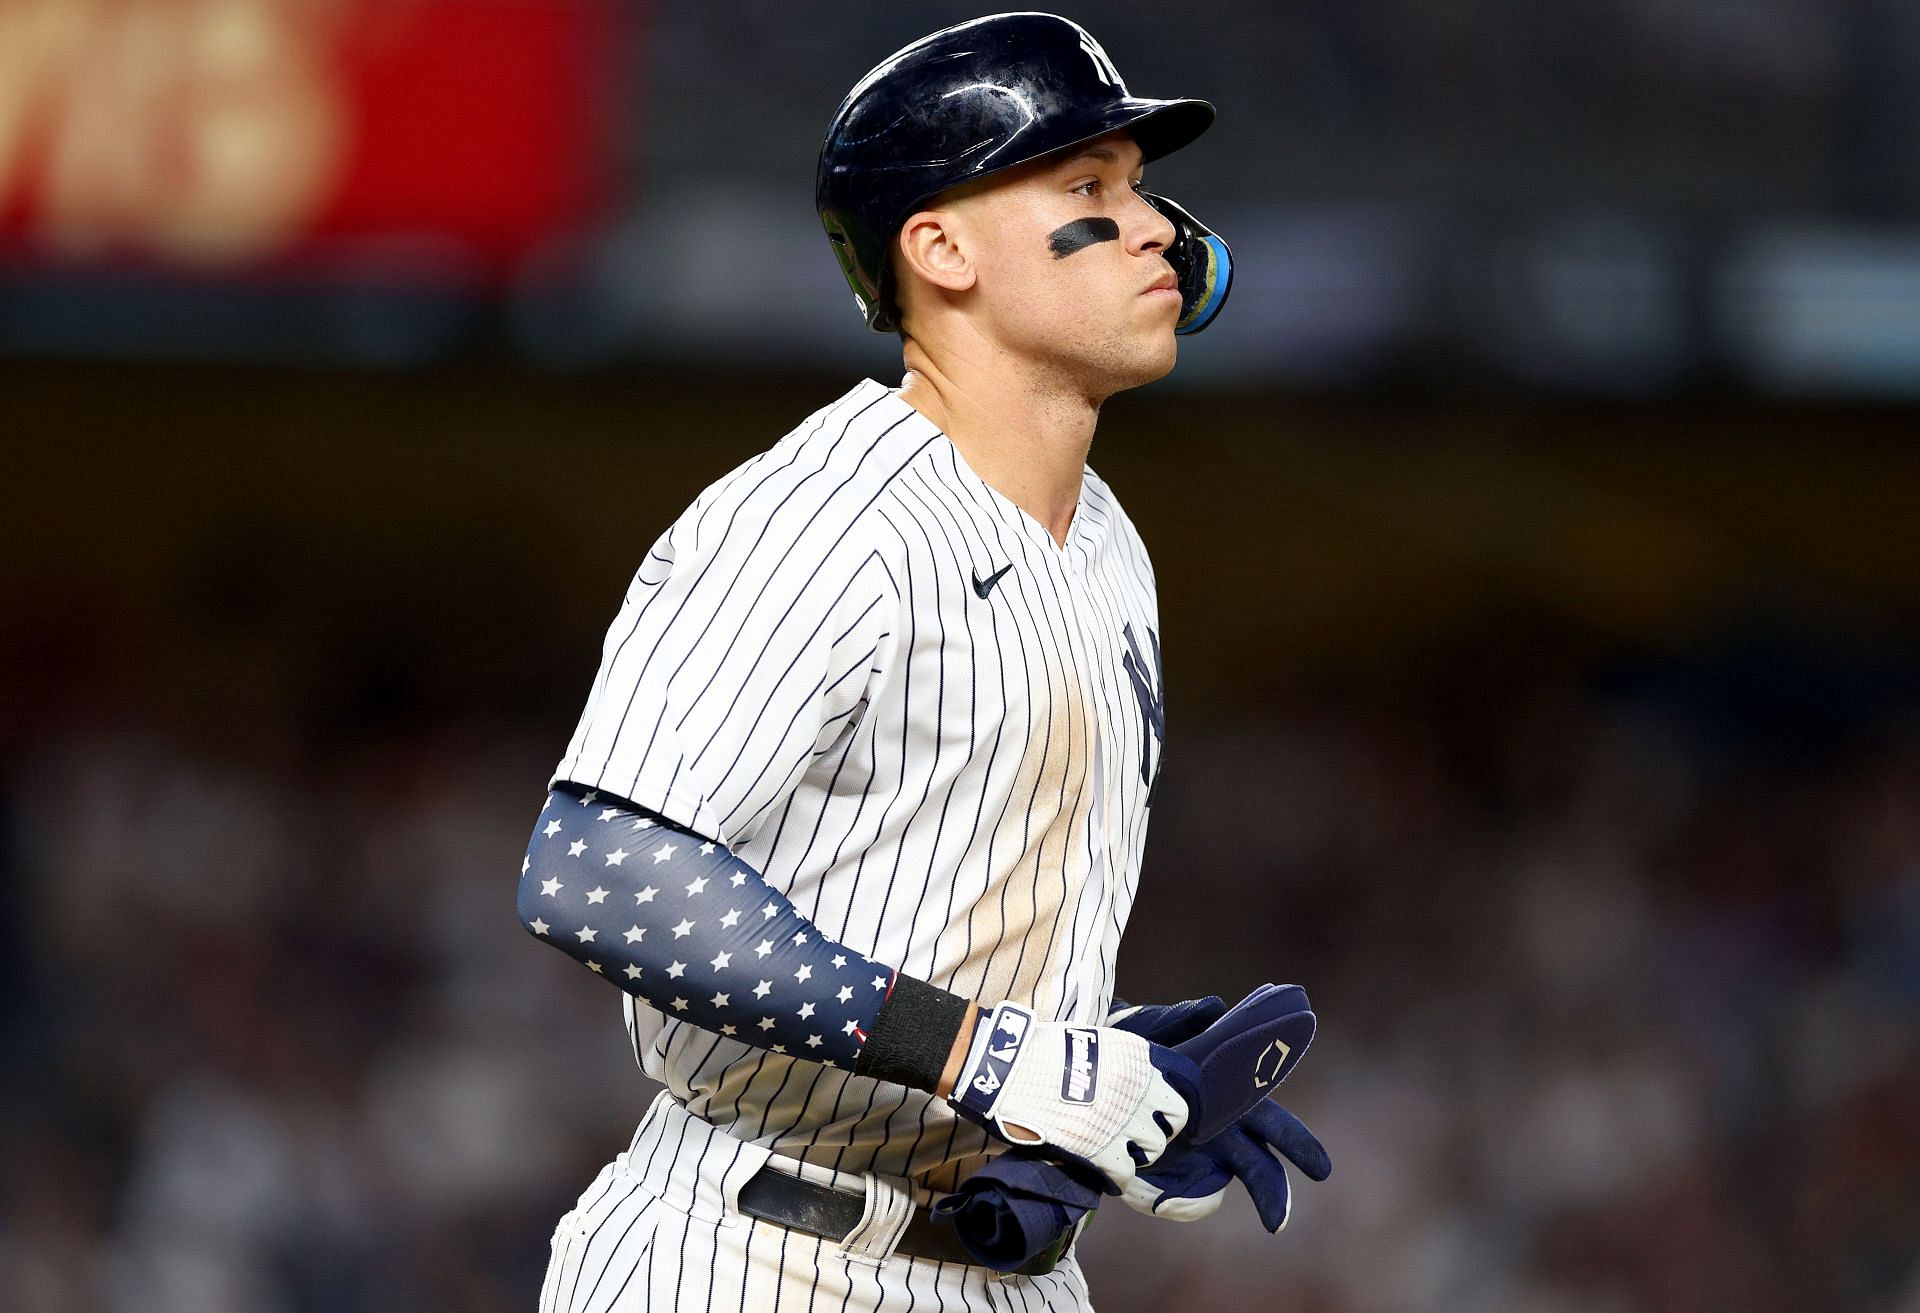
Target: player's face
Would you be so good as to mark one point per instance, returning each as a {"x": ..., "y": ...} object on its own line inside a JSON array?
[{"x": 1071, "y": 271}]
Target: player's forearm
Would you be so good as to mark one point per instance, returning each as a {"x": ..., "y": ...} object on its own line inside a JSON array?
[{"x": 679, "y": 922}]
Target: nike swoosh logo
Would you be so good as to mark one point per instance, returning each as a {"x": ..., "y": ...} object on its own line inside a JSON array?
[{"x": 985, "y": 586}]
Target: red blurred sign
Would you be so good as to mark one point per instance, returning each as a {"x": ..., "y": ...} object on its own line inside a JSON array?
[{"x": 227, "y": 133}]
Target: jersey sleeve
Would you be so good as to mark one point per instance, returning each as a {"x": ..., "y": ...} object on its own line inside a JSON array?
[{"x": 743, "y": 651}]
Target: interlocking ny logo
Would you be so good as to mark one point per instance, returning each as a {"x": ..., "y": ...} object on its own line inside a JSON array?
[{"x": 1149, "y": 688}]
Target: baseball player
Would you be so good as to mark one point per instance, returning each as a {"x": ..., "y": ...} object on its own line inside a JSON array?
[{"x": 854, "y": 814}]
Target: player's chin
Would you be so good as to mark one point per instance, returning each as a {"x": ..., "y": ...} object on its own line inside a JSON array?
[
  {"x": 1141, "y": 367},
  {"x": 1159, "y": 350}
]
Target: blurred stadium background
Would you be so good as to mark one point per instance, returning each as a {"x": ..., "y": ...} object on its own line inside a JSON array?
[{"x": 1541, "y": 594}]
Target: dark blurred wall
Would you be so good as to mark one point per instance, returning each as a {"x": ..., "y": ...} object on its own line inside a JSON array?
[{"x": 1297, "y": 538}]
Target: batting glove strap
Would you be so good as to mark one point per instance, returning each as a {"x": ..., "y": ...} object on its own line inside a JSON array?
[{"x": 1087, "y": 1092}]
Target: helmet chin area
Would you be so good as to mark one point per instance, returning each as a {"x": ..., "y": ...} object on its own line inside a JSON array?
[{"x": 1201, "y": 262}]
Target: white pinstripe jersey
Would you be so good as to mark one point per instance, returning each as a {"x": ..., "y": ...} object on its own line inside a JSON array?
[{"x": 956, "y": 784}]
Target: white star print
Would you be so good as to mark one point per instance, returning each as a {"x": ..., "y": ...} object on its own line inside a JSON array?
[
  {"x": 663, "y": 853},
  {"x": 677, "y": 970},
  {"x": 553, "y": 828},
  {"x": 765, "y": 1023},
  {"x": 635, "y": 934},
  {"x": 586, "y": 934},
  {"x": 551, "y": 887},
  {"x": 679, "y": 1005},
  {"x": 739, "y": 878},
  {"x": 779, "y": 1048},
  {"x": 768, "y": 911},
  {"x": 762, "y": 948},
  {"x": 617, "y": 856},
  {"x": 846, "y": 993},
  {"x": 848, "y": 1029},
  {"x": 682, "y": 930},
  {"x": 724, "y": 960},
  {"x": 697, "y": 886},
  {"x": 799, "y": 937},
  {"x": 720, "y": 1000},
  {"x": 813, "y": 1041},
  {"x": 595, "y": 968},
  {"x": 586, "y": 799},
  {"x": 839, "y": 959},
  {"x": 763, "y": 989},
  {"x": 806, "y": 1010},
  {"x": 633, "y": 972},
  {"x": 596, "y": 895},
  {"x": 644, "y": 823},
  {"x": 732, "y": 918},
  {"x": 706, "y": 850},
  {"x": 729, "y": 1030},
  {"x": 525, "y": 862},
  {"x": 879, "y": 982},
  {"x": 803, "y": 973},
  {"x": 609, "y": 813},
  {"x": 645, "y": 895},
  {"x": 577, "y": 847},
  {"x": 539, "y": 927}
]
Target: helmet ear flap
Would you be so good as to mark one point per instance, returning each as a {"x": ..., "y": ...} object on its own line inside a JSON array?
[
  {"x": 864, "y": 263},
  {"x": 1201, "y": 262}
]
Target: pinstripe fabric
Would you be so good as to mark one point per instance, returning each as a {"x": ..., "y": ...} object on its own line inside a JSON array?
[
  {"x": 660, "y": 1230},
  {"x": 956, "y": 784}
]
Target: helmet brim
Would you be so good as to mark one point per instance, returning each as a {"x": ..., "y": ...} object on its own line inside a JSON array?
[{"x": 1161, "y": 127}]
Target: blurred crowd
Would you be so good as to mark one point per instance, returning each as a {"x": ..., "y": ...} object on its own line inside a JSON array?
[
  {"x": 1619, "y": 972},
  {"x": 1618, "y": 965}
]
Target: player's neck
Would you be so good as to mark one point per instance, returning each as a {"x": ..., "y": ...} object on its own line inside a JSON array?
[{"x": 1025, "y": 440}]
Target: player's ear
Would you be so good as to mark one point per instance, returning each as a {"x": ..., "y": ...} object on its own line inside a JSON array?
[{"x": 934, "y": 247}]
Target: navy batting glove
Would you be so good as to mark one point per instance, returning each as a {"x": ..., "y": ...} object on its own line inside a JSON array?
[
  {"x": 1168, "y": 1023},
  {"x": 1017, "y": 1207},
  {"x": 1237, "y": 1061},
  {"x": 1190, "y": 1181}
]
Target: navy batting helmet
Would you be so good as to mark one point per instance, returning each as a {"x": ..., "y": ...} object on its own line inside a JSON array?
[{"x": 978, "y": 98}]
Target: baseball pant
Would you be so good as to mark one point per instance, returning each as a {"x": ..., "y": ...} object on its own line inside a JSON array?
[{"x": 660, "y": 1229}]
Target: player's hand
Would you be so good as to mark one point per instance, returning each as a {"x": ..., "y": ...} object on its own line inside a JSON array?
[
  {"x": 1094, "y": 1094},
  {"x": 1241, "y": 1055},
  {"x": 1189, "y": 1182},
  {"x": 1169, "y": 1023}
]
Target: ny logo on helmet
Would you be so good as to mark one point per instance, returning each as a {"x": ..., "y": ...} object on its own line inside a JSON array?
[{"x": 1101, "y": 63}]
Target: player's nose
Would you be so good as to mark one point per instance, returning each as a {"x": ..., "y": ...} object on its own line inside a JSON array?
[{"x": 1148, "y": 229}]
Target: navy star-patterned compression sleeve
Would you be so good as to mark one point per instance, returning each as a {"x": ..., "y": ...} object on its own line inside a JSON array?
[{"x": 679, "y": 922}]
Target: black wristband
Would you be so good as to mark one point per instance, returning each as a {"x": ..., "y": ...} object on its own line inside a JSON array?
[{"x": 913, "y": 1036}]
